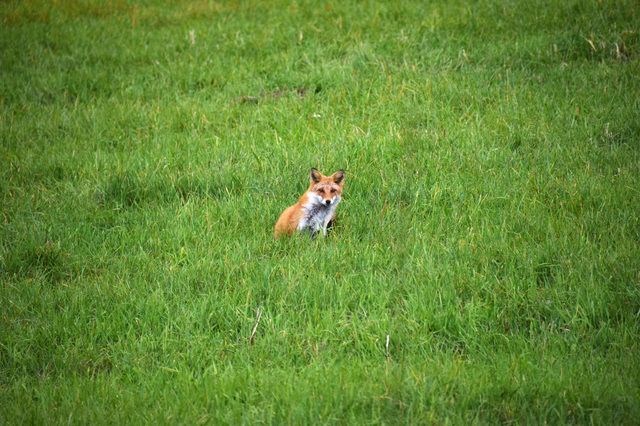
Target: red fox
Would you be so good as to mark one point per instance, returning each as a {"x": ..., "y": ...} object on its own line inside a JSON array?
[{"x": 315, "y": 208}]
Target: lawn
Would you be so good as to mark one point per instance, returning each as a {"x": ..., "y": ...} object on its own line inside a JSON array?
[{"x": 485, "y": 263}]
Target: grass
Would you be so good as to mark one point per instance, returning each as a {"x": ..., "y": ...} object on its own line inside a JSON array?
[{"x": 489, "y": 228}]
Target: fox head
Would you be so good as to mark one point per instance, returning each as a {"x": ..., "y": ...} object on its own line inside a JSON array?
[{"x": 326, "y": 190}]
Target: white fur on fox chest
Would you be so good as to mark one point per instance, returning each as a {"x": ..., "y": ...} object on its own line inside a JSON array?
[{"x": 317, "y": 213}]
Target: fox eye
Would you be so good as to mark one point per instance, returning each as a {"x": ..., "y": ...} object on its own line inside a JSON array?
[
  {"x": 333, "y": 190},
  {"x": 321, "y": 191}
]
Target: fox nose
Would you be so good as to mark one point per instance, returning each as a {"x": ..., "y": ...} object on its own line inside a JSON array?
[{"x": 327, "y": 202}]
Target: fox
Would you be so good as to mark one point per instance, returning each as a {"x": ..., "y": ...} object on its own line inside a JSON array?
[{"x": 316, "y": 208}]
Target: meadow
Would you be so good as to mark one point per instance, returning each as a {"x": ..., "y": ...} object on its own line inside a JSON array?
[{"x": 484, "y": 267}]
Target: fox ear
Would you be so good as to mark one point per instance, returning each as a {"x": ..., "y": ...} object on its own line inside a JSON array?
[
  {"x": 338, "y": 176},
  {"x": 316, "y": 176}
]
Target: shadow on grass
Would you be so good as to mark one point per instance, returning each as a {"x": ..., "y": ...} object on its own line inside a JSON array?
[
  {"x": 32, "y": 260},
  {"x": 128, "y": 190}
]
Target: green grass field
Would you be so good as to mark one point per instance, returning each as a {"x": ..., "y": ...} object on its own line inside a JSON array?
[{"x": 484, "y": 268}]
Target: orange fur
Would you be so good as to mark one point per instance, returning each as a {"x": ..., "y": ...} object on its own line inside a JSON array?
[{"x": 316, "y": 206}]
